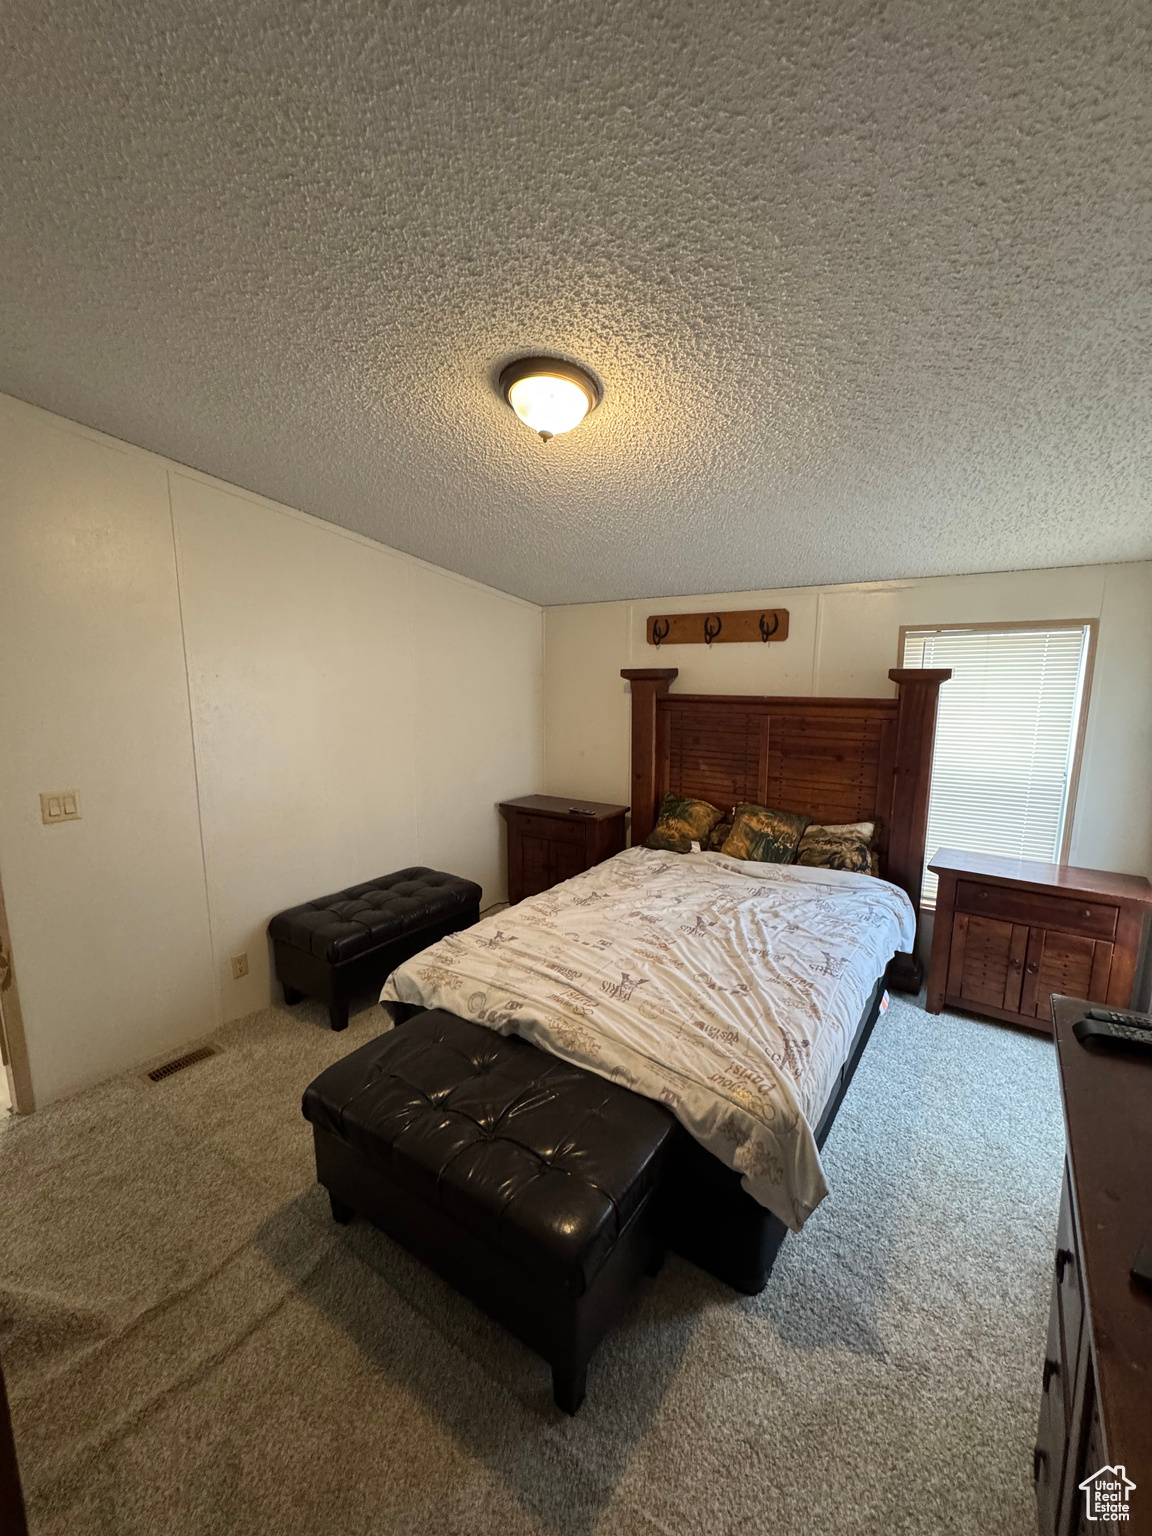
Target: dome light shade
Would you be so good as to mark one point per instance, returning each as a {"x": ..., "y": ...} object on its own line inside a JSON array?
[
  {"x": 549, "y": 395},
  {"x": 548, "y": 405}
]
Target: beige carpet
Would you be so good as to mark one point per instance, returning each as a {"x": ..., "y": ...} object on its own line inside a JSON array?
[{"x": 194, "y": 1347}]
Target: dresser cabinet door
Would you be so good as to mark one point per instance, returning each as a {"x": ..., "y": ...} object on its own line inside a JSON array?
[
  {"x": 995, "y": 963},
  {"x": 1068, "y": 963},
  {"x": 568, "y": 859},
  {"x": 986, "y": 962},
  {"x": 535, "y": 866},
  {"x": 542, "y": 851}
]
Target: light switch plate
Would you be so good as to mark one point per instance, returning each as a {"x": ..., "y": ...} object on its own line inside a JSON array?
[{"x": 60, "y": 805}]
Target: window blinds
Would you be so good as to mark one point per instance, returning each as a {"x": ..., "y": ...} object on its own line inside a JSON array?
[{"x": 1005, "y": 737}]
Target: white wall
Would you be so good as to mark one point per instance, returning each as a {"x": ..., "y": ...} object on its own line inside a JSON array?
[
  {"x": 108, "y": 918},
  {"x": 256, "y": 707},
  {"x": 842, "y": 641}
]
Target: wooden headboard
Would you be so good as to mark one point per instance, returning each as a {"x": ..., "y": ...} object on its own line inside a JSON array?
[{"x": 835, "y": 759}]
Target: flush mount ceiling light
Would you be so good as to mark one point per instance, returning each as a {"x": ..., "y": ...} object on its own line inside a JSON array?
[{"x": 548, "y": 394}]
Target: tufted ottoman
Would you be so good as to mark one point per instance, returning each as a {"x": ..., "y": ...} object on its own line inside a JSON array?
[
  {"x": 339, "y": 945},
  {"x": 529, "y": 1184}
]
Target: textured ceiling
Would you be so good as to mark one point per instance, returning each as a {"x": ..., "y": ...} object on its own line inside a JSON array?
[{"x": 867, "y": 284}]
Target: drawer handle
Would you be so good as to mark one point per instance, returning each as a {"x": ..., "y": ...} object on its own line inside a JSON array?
[
  {"x": 1032, "y": 969},
  {"x": 1064, "y": 1257},
  {"x": 1087, "y": 911},
  {"x": 1039, "y": 1457},
  {"x": 1051, "y": 1368}
]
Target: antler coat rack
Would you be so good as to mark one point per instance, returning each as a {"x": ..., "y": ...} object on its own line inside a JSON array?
[{"x": 759, "y": 624}]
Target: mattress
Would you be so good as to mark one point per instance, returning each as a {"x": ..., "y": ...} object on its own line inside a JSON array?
[{"x": 728, "y": 991}]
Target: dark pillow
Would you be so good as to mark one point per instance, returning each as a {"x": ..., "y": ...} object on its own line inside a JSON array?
[
  {"x": 847, "y": 845},
  {"x": 764, "y": 835},
  {"x": 719, "y": 834},
  {"x": 682, "y": 823}
]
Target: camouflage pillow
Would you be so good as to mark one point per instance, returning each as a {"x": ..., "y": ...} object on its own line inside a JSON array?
[
  {"x": 682, "y": 823},
  {"x": 764, "y": 835},
  {"x": 847, "y": 846},
  {"x": 718, "y": 835}
]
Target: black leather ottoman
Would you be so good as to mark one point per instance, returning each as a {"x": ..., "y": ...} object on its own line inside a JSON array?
[
  {"x": 529, "y": 1184},
  {"x": 346, "y": 943}
]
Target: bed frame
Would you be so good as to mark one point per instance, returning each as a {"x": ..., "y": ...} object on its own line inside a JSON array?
[
  {"x": 836, "y": 760},
  {"x": 711, "y": 1220}
]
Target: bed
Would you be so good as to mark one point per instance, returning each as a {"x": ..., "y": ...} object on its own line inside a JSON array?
[{"x": 740, "y": 995}]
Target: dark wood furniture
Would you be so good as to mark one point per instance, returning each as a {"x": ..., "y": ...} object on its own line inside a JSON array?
[
  {"x": 1096, "y": 1398},
  {"x": 1011, "y": 932},
  {"x": 347, "y": 944},
  {"x": 530, "y": 1184},
  {"x": 838, "y": 760},
  {"x": 551, "y": 839},
  {"x": 12, "y": 1521}
]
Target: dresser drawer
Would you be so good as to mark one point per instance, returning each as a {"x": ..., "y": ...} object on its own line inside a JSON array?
[
  {"x": 1058, "y": 1378},
  {"x": 551, "y": 828},
  {"x": 1049, "y": 1459},
  {"x": 1016, "y": 906},
  {"x": 1069, "y": 1298}
]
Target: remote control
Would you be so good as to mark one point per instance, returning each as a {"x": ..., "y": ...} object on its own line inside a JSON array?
[
  {"x": 1113, "y": 1016},
  {"x": 1103, "y": 1032}
]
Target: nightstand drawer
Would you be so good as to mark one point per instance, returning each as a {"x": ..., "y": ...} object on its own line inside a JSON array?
[
  {"x": 1015, "y": 906},
  {"x": 551, "y": 828}
]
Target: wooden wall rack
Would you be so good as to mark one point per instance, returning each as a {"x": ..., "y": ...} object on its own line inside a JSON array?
[{"x": 758, "y": 624}]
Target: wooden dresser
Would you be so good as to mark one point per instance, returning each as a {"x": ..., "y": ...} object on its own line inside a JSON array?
[
  {"x": 12, "y": 1520},
  {"x": 551, "y": 839},
  {"x": 1096, "y": 1390},
  {"x": 1011, "y": 932}
]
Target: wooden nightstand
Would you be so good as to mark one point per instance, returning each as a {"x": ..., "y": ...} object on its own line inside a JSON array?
[
  {"x": 551, "y": 839},
  {"x": 1010, "y": 932}
]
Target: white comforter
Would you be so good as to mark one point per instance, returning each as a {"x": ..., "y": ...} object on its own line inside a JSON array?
[{"x": 729, "y": 991}]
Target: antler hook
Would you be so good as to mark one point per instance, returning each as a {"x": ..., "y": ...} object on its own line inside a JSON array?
[
  {"x": 710, "y": 633},
  {"x": 768, "y": 630},
  {"x": 660, "y": 628}
]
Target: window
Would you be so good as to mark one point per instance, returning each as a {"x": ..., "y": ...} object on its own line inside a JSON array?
[{"x": 1007, "y": 735}]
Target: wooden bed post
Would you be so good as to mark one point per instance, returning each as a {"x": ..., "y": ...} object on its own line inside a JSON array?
[
  {"x": 917, "y": 693},
  {"x": 648, "y": 685}
]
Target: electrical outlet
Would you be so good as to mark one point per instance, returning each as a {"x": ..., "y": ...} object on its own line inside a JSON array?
[
  {"x": 60, "y": 805},
  {"x": 239, "y": 966}
]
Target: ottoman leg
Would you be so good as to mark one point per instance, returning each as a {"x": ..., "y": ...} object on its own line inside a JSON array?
[
  {"x": 340, "y": 1212},
  {"x": 568, "y": 1384},
  {"x": 338, "y": 1014},
  {"x": 292, "y": 995}
]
